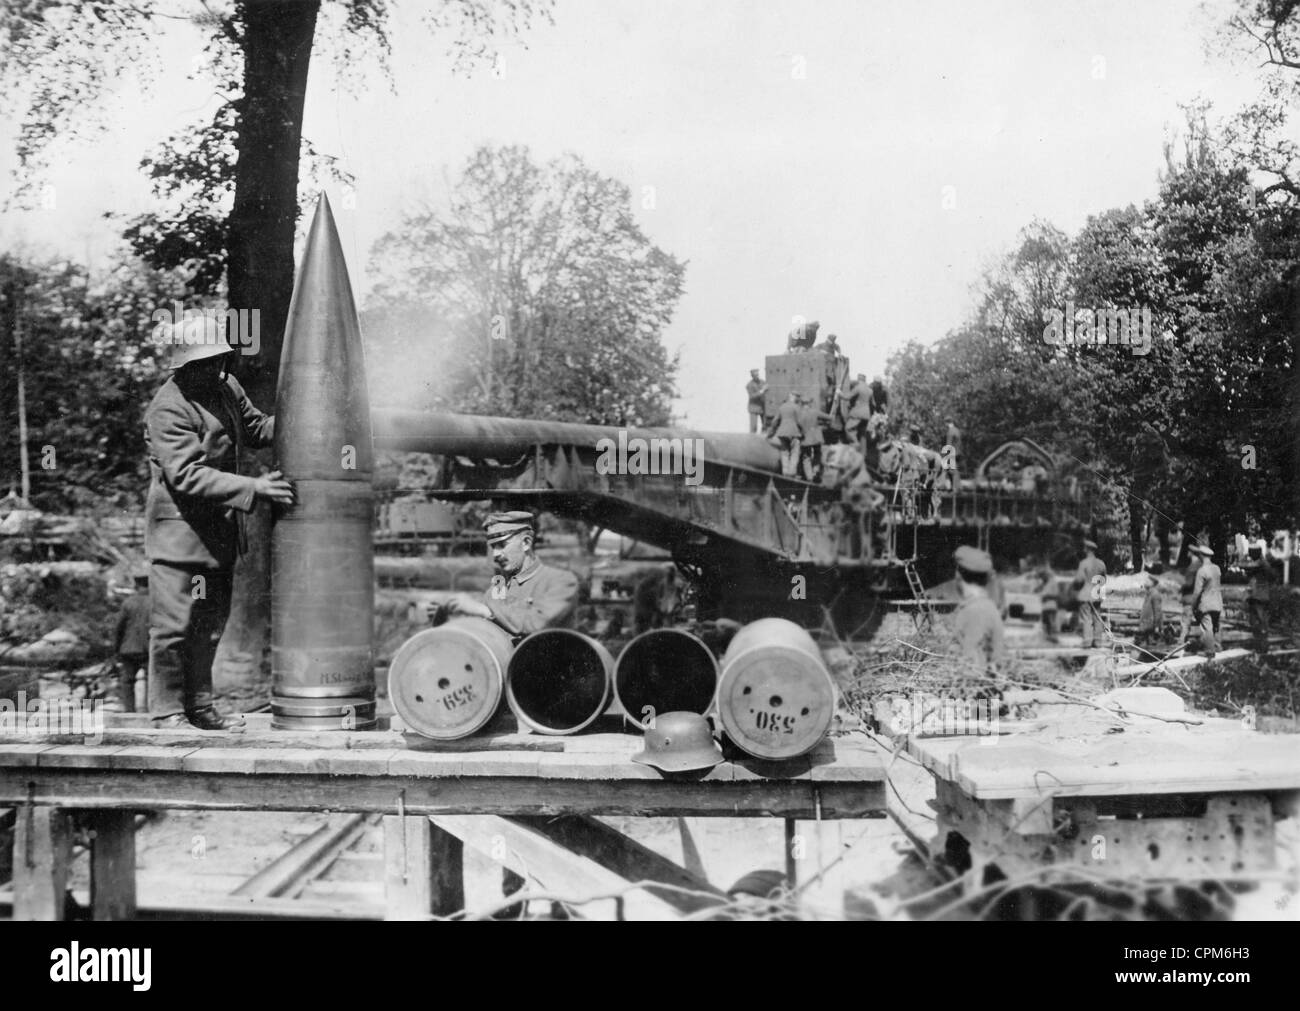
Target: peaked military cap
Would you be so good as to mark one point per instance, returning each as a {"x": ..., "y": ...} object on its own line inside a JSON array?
[
  {"x": 972, "y": 560},
  {"x": 499, "y": 525}
]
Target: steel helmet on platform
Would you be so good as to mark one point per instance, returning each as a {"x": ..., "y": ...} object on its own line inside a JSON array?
[
  {"x": 678, "y": 742},
  {"x": 196, "y": 338}
]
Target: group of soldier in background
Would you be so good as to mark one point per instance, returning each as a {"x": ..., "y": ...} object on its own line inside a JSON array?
[
  {"x": 799, "y": 424},
  {"x": 799, "y": 428},
  {"x": 978, "y": 621},
  {"x": 1200, "y": 600},
  {"x": 804, "y": 338}
]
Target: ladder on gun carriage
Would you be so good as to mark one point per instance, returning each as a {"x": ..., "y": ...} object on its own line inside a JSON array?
[{"x": 924, "y": 613}]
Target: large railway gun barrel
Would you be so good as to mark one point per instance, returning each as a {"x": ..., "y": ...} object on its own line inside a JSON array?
[
  {"x": 481, "y": 437},
  {"x": 741, "y": 530}
]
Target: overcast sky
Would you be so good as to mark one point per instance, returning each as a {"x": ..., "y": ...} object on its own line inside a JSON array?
[{"x": 854, "y": 162}]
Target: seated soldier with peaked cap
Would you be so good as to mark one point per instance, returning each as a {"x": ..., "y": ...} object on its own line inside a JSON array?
[
  {"x": 526, "y": 596},
  {"x": 978, "y": 623}
]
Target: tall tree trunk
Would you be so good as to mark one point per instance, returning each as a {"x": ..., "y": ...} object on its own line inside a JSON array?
[
  {"x": 278, "y": 38},
  {"x": 1162, "y": 536},
  {"x": 1291, "y": 496},
  {"x": 1137, "y": 532}
]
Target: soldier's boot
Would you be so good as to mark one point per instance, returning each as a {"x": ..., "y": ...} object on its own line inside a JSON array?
[{"x": 207, "y": 718}]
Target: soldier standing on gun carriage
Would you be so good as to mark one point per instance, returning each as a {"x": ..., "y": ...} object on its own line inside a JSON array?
[
  {"x": 811, "y": 419},
  {"x": 755, "y": 389},
  {"x": 785, "y": 426}
]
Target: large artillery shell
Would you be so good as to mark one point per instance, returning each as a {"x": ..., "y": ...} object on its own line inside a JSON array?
[
  {"x": 322, "y": 561},
  {"x": 775, "y": 697},
  {"x": 662, "y": 671},
  {"x": 559, "y": 681},
  {"x": 447, "y": 682}
]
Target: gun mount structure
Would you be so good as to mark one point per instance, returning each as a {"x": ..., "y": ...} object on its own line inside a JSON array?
[{"x": 754, "y": 543}]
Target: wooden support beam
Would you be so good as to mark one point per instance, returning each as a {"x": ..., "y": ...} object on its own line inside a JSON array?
[
  {"x": 537, "y": 862},
  {"x": 408, "y": 869},
  {"x": 289, "y": 740},
  {"x": 791, "y": 867},
  {"x": 145, "y": 790},
  {"x": 626, "y": 857},
  {"x": 8, "y": 818},
  {"x": 511, "y": 883},
  {"x": 690, "y": 852},
  {"x": 112, "y": 864},
  {"x": 423, "y": 869},
  {"x": 448, "y": 858},
  {"x": 42, "y": 855}
]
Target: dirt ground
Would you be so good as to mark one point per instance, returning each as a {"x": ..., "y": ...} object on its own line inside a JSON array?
[
  {"x": 198, "y": 854},
  {"x": 210, "y": 854}
]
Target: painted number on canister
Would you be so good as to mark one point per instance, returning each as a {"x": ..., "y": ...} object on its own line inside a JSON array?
[
  {"x": 774, "y": 722},
  {"x": 461, "y": 696}
]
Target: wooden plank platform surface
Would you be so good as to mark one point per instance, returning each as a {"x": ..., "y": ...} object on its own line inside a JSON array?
[
  {"x": 366, "y": 771},
  {"x": 1218, "y": 757}
]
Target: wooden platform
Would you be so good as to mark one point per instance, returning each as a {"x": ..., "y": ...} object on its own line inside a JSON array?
[
  {"x": 55, "y": 782},
  {"x": 1217, "y": 756},
  {"x": 364, "y": 772},
  {"x": 1154, "y": 800}
]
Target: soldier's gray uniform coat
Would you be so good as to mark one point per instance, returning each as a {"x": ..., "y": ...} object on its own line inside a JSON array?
[
  {"x": 538, "y": 598},
  {"x": 193, "y": 530},
  {"x": 1207, "y": 603},
  {"x": 195, "y": 491},
  {"x": 979, "y": 632}
]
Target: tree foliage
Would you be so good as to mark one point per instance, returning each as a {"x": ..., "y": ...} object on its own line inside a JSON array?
[
  {"x": 994, "y": 376},
  {"x": 60, "y": 59},
  {"x": 534, "y": 293},
  {"x": 228, "y": 188},
  {"x": 1201, "y": 430},
  {"x": 89, "y": 372}
]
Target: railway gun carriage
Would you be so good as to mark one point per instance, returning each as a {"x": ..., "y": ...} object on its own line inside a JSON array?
[{"x": 754, "y": 542}]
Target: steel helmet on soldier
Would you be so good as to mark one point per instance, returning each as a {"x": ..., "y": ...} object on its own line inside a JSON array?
[
  {"x": 195, "y": 338},
  {"x": 678, "y": 742}
]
